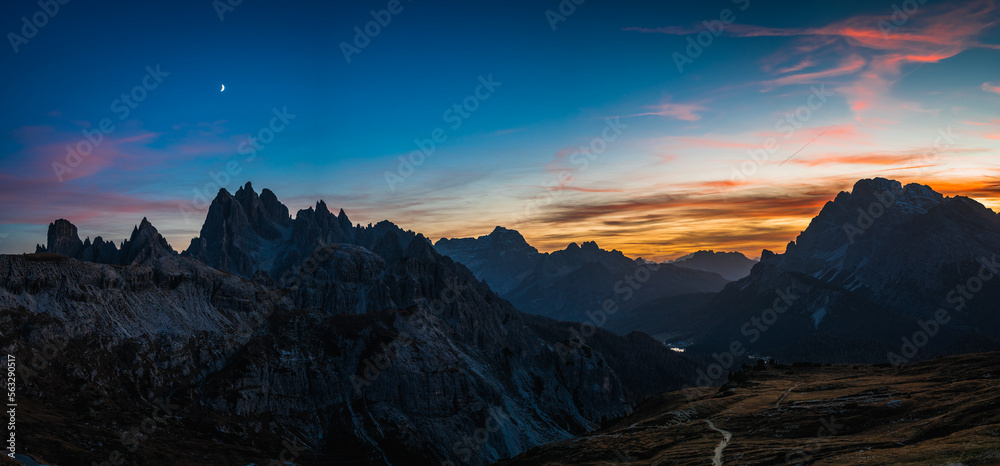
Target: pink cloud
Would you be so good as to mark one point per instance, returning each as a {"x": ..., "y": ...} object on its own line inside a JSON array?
[
  {"x": 62, "y": 155},
  {"x": 991, "y": 87},
  {"x": 561, "y": 155},
  {"x": 871, "y": 49},
  {"x": 806, "y": 63},
  {"x": 72, "y": 201}
]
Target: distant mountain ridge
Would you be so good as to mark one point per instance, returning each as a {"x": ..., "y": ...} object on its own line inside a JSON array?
[
  {"x": 569, "y": 283},
  {"x": 503, "y": 258},
  {"x": 731, "y": 265}
]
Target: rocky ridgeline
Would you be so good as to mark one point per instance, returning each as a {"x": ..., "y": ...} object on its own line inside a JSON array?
[
  {"x": 145, "y": 243},
  {"x": 884, "y": 273},
  {"x": 570, "y": 283},
  {"x": 308, "y": 331}
]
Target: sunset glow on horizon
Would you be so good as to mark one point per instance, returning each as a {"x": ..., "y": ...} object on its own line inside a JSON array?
[{"x": 657, "y": 131}]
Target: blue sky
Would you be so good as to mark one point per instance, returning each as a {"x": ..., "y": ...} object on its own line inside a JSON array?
[{"x": 679, "y": 174}]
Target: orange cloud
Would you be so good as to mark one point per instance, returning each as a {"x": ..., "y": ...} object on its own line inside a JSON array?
[
  {"x": 867, "y": 159},
  {"x": 988, "y": 187}
]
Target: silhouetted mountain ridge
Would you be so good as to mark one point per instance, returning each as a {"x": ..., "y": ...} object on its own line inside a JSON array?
[
  {"x": 872, "y": 268},
  {"x": 731, "y": 265},
  {"x": 569, "y": 283},
  {"x": 363, "y": 336},
  {"x": 144, "y": 244}
]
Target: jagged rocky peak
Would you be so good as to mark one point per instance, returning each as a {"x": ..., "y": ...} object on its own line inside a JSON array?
[
  {"x": 867, "y": 226},
  {"x": 344, "y": 221},
  {"x": 145, "y": 243},
  {"x": 319, "y": 224},
  {"x": 321, "y": 208},
  {"x": 102, "y": 252},
  {"x": 590, "y": 251},
  {"x": 247, "y": 233},
  {"x": 229, "y": 224},
  {"x": 265, "y": 218},
  {"x": 500, "y": 238},
  {"x": 240, "y": 216},
  {"x": 276, "y": 211},
  {"x": 507, "y": 234},
  {"x": 912, "y": 198},
  {"x": 64, "y": 239},
  {"x": 500, "y": 258},
  {"x": 225, "y": 212}
]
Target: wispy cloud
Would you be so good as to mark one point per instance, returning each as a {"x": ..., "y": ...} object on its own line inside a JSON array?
[
  {"x": 849, "y": 65},
  {"x": 868, "y": 51},
  {"x": 685, "y": 112},
  {"x": 579, "y": 189},
  {"x": 993, "y": 87}
]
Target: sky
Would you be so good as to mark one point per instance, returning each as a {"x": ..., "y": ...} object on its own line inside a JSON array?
[{"x": 653, "y": 128}]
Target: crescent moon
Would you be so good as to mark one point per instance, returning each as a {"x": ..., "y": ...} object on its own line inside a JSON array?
[{"x": 223, "y": 88}]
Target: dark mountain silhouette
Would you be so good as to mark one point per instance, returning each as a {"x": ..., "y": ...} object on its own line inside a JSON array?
[
  {"x": 731, "y": 265},
  {"x": 573, "y": 283},
  {"x": 352, "y": 343},
  {"x": 883, "y": 273},
  {"x": 145, "y": 243},
  {"x": 503, "y": 258}
]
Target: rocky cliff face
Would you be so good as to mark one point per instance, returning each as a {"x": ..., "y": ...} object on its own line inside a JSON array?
[
  {"x": 353, "y": 343},
  {"x": 63, "y": 239},
  {"x": 569, "y": 284},
  {"x": 877, "y": 265}
]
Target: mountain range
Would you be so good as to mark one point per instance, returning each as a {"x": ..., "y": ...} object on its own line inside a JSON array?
[
  {"x": 348, "y": 342},
  {"x": 884, "y": 273},
  {"x": 315, "y": 340},
  {"x": 573, "y": 283}
]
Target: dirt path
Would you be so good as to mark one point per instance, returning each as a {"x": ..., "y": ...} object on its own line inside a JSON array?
[
  {"x": 726, "y": 437},
  {"x": 785, "y": 395}
]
